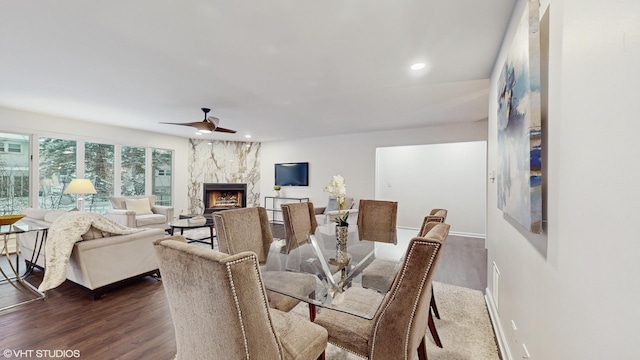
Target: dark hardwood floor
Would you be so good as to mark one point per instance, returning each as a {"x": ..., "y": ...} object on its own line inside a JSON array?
[{"x": 131, "y": 322}]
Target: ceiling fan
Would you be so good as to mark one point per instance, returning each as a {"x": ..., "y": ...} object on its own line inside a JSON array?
[{"x": 207, "y": 125}]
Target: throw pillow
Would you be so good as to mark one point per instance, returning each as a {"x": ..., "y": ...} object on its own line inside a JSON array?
[
  {"x": 332, "y": 205},
  {"x": 94, "y": 233},
  {"x": 141, "y": 206}
]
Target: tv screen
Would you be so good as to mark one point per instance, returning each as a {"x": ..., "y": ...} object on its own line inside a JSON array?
[{"x": 292, "y": 174}]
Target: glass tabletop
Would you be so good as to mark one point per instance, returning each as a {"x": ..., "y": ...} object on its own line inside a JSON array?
[
  {"x": 185, "y": 223},
  {"x": 21, "y": 226},
  {"x": 316, "y": 256}
]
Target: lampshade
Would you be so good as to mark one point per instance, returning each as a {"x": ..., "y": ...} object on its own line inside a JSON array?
[{"x": 80, "y": 186}]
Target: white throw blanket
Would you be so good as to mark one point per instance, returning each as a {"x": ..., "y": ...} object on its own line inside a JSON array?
[{"x": 64, "y": 232}]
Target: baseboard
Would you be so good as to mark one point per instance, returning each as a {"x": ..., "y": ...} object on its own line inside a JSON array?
[
  {"x": 465, "y": 234},
  {"x": 454, "y": 233},
  {"x": 497, "y": 327}
]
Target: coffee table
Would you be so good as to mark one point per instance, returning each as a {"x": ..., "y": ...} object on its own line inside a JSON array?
[{"x": 185, "y": 224}]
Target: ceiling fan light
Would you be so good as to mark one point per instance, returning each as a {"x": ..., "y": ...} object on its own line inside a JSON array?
[{"x": 205, "y": 131}]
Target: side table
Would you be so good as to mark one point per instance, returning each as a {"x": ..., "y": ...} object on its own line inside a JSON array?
[{"x": 15, "y": 279}]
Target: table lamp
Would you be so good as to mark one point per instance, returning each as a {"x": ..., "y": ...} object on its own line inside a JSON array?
[{"x": 80, "y": 187}]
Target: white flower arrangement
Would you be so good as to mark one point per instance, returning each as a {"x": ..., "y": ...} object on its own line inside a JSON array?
[{"x": 338, "y": 188}]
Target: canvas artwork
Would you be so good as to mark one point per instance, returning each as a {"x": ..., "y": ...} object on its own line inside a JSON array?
[{"x": 519, "y": 126}]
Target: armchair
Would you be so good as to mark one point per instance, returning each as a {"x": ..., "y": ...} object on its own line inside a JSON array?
[
  {"x": 327, "y": 214},
  {"x": 133, "y": 211}
]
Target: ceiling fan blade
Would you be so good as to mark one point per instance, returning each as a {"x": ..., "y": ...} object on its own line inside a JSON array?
[
  {"x": 214, "y": 120},
  {"x": 225, "y": 130},
  {"x": 200, "y": 125}
]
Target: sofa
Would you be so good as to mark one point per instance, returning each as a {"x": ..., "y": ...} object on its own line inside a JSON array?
[
  {"x": 99, "y": 261},
  {"x": 139, "y": 212}
]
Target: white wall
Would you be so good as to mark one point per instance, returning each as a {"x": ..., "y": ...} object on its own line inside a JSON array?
[
  {"x": 352, "y": 156},
  {"x": 580, "y": 299},
  {"x": 448, "y": 176},
  {"x": 15, "y": 121}
]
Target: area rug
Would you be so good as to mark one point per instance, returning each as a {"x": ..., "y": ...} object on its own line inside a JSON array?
[
  {"x": 464, "y": 328},
  {"x": 199, "y": 233}
]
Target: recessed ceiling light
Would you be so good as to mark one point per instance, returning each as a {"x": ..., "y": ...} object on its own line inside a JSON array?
[
  {"x": 247, "y": 136},
  {"x": 418, "y": 66}
]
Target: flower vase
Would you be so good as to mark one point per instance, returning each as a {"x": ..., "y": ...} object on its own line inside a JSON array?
[{"x": 341, "y": 244}]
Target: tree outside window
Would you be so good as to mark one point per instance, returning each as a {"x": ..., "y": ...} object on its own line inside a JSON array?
[
  {"x": 132, "y": 171},
  {"x": 57, "y": 168}
]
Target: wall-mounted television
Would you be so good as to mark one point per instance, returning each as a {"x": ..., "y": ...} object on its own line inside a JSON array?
[{"x": 292, "y": 174}]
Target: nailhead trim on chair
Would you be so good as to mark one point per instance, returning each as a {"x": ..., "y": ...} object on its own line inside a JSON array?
[
  {"x": 413, "y": 310},
  {"x": 264, "y": 301}
]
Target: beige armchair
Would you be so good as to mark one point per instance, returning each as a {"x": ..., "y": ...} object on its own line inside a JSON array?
[
  {"x": 135, "y": 212},
  {"x": 398, "y": 328},
  {"x": 327, "y": 214},
  {"x": 219, "y": 308}
]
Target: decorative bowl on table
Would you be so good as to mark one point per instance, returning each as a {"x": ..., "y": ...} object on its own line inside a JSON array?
[
  {"x": 10, "y": 219},
  {"x": 197, "y": 220}
]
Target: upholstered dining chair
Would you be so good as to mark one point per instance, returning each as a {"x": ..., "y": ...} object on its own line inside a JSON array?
[
  {"x": 299, "y": 222},
  {"x": 248, "y": 229},
  {"x": 436, "y": 215},
  {"x": 377, "y": 220},
  {"x": 219, "y": 308},
  {"x": 399, "y": 326},
  {"x": 380, "y": 274}
]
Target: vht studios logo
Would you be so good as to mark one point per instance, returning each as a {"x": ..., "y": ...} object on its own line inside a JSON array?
[{"x": 62, "y": 354}]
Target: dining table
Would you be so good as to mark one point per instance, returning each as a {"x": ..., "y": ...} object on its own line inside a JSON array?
[{"x": 316, "y": 255}]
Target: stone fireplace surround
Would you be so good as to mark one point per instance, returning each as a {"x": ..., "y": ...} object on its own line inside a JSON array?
[{"x": 223, "y": 196}]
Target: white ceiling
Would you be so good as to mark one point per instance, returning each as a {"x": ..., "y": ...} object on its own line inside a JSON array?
[{"x": 274, "y": 69}]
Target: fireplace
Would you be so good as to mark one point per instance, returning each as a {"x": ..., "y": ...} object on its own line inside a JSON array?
[{"x": 217, "y": 197}]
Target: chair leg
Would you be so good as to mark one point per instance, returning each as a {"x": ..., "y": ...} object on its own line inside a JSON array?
[
  {"x": 312, "y": 312},
  {"x": 433, "y": 305},
  {"x": 422, "y": 350},
  {"x": 434, "y": 332},
  {"x": 321, "y": 357}
]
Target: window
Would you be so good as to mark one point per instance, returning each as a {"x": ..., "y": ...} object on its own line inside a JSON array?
[
  {"x": 132, "y": 175},
  {"x": 14, "y": 173},
  {"x": 99, "y": 165},
  {"x": 57, "y": 168},
  {"x": 14, "y": 148},
  {"x": 161, "y": 163}
]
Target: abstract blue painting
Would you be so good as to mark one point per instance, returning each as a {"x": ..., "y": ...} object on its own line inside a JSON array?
[{"x": 519, "y": 126}]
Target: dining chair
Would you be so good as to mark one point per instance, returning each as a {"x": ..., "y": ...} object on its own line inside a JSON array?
[
  {"x": 380, "y": 274},
  {"x": 377, "y": 220},
  {"x": 436, "y": 215},
  {"x": 299, "y": 222},
  {"x": 219, "y": 307},
  {"x": 248, "y": 229},
  {"x": 399, "y": 326}
]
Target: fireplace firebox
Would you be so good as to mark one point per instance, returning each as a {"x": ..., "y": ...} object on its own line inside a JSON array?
[{"x": 218, "y": 197}]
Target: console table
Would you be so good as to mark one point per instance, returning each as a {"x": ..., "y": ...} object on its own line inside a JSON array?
[{"x": 274, "y": 206}]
